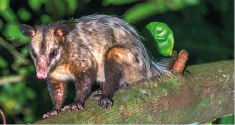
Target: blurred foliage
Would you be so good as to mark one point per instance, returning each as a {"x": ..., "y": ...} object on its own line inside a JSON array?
[
  {"x": 143, "y": 10},
  {"x": 203, "y": 27}
]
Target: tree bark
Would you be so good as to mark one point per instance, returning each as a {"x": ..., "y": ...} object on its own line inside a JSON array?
[{"x": 206, "y": 93}]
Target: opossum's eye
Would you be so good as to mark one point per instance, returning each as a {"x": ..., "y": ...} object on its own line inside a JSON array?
[
  {"x": 53, "y": 54},
  {"x": 34, "y": 55}
]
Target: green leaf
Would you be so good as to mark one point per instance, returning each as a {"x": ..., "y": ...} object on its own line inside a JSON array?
[
  {"x": 30, "y": 94},
  {"x": 19, "y": 86},
  {"x": 228, "y": 119},
  {"x": 192, "y": 2},
  {"x": 212, "y": 122},
  {"x": 31, "y": 68},
  {"x": 72, "y": 6},
  {"x": 3, "y": 63},
  {"x": 23, "y": 71},
  {"x": 29, "y": 118},
  {"x": 140, "y": 11},
  {"x": 60, "y": 8},
  {"x": 12, "y": 31},
  {"x": 3, "y": 97},
  {"x": 162, "y": 36},
  {"x": 5, "y": 72},
  {"x": 117, "y": 2},
  {"x": 25, "y": 51},
  {"x": 9, "y": 15},
  {"x": 24, "y": 14},
  {"x": 35, "y": 4},
  {"x": 3, "y": 5},
  {"x": 144, "y": 10},
  {"x": 45, "y": 18}
]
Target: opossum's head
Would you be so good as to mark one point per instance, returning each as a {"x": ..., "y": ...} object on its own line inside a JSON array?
[{"x": 46, "y": 45}]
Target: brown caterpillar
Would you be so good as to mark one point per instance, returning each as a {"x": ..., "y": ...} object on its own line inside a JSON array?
[{"x": 180, "y": 62}]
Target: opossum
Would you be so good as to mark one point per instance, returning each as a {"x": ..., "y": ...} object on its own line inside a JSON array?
[{"x": 100, "y": 48}]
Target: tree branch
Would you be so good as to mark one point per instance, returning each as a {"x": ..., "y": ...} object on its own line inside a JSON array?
[
  {"x": 14, "y": 52},
  {"x": 10, "y": 79},
  {"x": 204, "y": 94},
  {"x": 3, "y": 117}
]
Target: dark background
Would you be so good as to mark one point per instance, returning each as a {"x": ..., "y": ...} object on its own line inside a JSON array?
[{"x": 205, "y": 28}]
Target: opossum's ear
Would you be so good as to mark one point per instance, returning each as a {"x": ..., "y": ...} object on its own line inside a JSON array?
[
  {"x": 62, "y": 30},
  {"x": 27, "y": 30}
]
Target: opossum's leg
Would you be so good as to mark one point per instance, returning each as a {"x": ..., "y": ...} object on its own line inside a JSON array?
[
  {"x": 113, "y": 75},
  {"x": 57, "y": 90},
  {"x": 83, "y": 88}
]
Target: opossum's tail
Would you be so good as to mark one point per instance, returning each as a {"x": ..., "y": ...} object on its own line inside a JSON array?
[{"x": 163, "y": 66}]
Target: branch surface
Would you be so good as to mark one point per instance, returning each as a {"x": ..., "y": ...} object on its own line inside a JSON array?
[{"x": 204, "y": 94}]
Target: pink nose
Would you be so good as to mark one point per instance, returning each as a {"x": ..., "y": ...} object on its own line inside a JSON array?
[{"x": 41, "y": 74}]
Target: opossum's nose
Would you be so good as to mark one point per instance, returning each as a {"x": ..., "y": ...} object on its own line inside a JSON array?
[{"x": 42, "y": 74}]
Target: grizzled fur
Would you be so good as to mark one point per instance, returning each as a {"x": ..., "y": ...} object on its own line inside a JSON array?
[{"x": 97, "y": 48}]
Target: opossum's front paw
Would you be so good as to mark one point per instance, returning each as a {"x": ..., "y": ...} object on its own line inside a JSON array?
[
  {"x": 53, "y": 112},
  {"x": 77, "y": 106},
  {"x": 104, "y": 100}
]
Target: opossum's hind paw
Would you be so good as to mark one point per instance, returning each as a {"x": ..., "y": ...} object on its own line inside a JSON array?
[
  {"x": 76, "y": 106},
  {"x": 104, "y": 100},
  {"x": 53, "y": 112}
]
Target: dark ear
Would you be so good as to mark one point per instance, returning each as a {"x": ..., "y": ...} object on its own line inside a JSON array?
[
  {"x": 27, "y": 30},
  {"x": 62, "y": 30}
]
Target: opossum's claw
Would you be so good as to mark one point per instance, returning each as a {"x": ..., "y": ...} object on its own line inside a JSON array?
[
  {"x": 104, "y": 100},
  {"x": 53, "y": 112},
  {"x": 75, "y": 106}
]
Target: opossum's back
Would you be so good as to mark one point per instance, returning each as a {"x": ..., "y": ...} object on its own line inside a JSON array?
[
  {"x": 100, "y": 33},
  {"x": 105, "y": 30}
]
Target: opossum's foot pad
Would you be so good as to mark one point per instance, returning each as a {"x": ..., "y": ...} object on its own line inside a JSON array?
[
  {"x": 53, "y": 112},
  {"x": 75, "y": 106},
  {"x": 104, "y": 100}
]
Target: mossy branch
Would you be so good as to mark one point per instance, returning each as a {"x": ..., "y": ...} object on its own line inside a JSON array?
[{"x": 204, "y": 94}]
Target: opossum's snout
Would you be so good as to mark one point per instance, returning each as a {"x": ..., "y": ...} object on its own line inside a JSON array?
[
  {"x": 42, "y": 73},
  {"x": 45, "y": 62},
  {"x": 42, "y": 67}
]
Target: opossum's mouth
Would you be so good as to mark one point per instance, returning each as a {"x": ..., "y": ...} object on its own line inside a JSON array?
[{"x": 42, "y": 73}]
